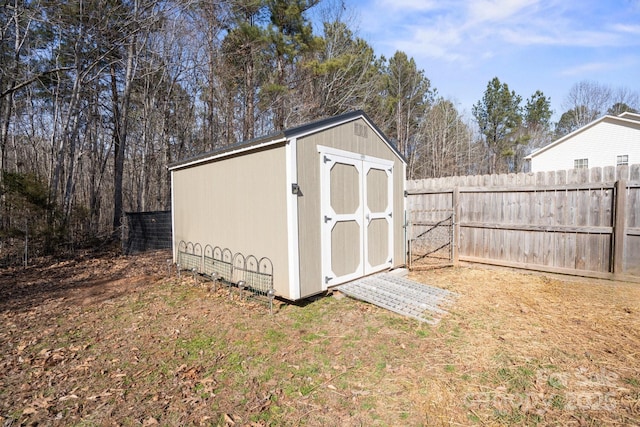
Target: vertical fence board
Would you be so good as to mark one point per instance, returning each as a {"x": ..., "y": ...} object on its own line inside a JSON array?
[
  {"x": 622, "y": 173},
  {"x": 582, "y": 209},
  {"x": 581, "y": 252},
  {"x": 619, "y": 227},
  {"x": 633, "y": 207}
]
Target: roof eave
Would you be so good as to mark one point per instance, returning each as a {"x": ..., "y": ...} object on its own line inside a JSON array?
[
  {"x": 230, "y": 150},
  {"x": 572, "y": 134}
]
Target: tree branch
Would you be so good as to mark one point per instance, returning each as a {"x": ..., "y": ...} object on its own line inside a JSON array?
[{"x": 31, "y": 80}]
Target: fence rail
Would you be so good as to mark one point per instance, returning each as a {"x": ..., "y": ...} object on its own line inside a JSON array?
[{"x": 582, "y": 222}]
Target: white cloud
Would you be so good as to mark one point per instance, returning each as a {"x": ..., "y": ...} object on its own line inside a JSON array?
[
  {"x": 633, "y": 30},
  {"x": 625, "y": 62},
  {"x": 497, "y": 10},
  {"x": 432, "y": 43},
  {"x": 407, "y": 5},
  {"x": 587, "y": 69},
  {"x": 560, "y": 37}
]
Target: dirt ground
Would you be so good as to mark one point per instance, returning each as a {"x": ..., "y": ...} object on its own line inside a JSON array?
[{"x": 112, "y": 340}]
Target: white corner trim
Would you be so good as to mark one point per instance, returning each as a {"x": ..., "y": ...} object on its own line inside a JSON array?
[
  {"x": 292, "y": 219},
  {"x": 173, "y": 222}
]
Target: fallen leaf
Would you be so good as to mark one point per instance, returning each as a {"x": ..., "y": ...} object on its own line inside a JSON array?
[
  {"x": 150, "y": 422},
  {"x": 228, "y": 420},
  {"x": 101, "y": 395},
  {"x": 42, "y": 403},
  {"x": 68, "y": 397}
]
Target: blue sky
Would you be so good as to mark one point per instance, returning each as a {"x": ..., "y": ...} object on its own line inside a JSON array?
[{"x": 528, "y": 44}]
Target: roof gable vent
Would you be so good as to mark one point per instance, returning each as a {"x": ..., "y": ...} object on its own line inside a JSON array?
[{"x": 360, "y": 130}]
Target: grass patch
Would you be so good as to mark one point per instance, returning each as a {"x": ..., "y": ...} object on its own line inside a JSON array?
[
  {"x": 197, "y": 347},
  {"x": 517, "y": 379}
]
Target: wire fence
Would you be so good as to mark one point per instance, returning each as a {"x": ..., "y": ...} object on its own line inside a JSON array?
[{"x": 430, "y": 237}]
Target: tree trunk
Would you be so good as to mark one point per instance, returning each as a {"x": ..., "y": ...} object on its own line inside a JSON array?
[
  {"x": 121, "y": 121},
  {"x": 249, "y": 115}
]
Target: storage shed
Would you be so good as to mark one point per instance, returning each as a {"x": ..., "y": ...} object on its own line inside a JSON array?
[{"x": 308, "y": 208}]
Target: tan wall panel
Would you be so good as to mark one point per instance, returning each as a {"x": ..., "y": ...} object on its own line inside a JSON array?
[
  {"x": 345, "y": 248},
  {"x": 377, "y": 194},
  {"x": 345, "y": 188},
  {"x": 378, "y": 244},
  {"x": 238, "y": 203},
  {"x": 342, "y": 137}
]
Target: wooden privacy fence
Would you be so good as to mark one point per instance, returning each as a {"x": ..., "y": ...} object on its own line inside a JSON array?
[{"x": 582, "y": 222}]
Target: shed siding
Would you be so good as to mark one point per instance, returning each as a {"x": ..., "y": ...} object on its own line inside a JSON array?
[
  {"x": 238, "y": 203},
  {"x": 342, "y": 137},
  {"x": 600, "y": 144}
]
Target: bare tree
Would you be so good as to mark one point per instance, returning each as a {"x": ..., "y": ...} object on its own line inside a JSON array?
[
  {"x": 589, "y": 100},
  {"x": 446, "y": 143}
]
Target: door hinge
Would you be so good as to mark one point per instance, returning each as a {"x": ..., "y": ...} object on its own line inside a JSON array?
[
  {"x": 327, "y": 219},
  {"x": 327, "y": 279}
]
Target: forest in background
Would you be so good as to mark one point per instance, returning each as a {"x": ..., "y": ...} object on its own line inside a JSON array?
[{"x": 97, "y": 97}]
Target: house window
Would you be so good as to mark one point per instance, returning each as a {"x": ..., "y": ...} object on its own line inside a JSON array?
[
  {"x": 622, "y": 160},
  {"x": 581, "y": 164}
]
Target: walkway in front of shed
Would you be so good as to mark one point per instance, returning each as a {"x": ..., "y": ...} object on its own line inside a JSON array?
[{"x": 400, "y": 295}]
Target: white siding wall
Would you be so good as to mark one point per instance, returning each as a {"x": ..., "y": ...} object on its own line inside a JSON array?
[{"x": 601, "y": 144}]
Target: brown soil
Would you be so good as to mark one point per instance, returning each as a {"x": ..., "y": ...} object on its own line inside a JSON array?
[{"x": 111, "y": 340}]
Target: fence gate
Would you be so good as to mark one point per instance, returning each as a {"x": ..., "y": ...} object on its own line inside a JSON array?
[{"x": 430, "y": 238}]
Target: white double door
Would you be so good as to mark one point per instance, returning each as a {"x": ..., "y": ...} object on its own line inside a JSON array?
[{"x": 356, "y": 214}]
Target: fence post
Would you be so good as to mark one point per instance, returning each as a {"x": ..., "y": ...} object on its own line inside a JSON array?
[
  {"x": 619, "y": 226},
  {"x": 455, "y": 243}
]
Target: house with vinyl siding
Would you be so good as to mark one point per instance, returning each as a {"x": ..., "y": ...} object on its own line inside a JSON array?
[{"x": 607, "y": 141}]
